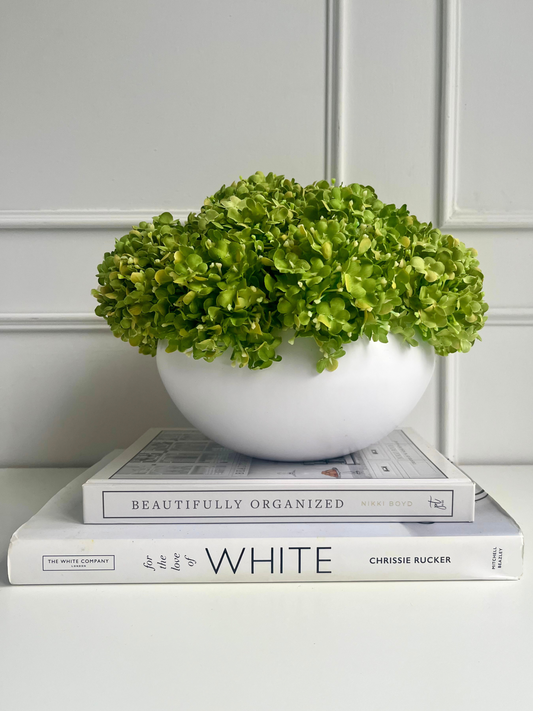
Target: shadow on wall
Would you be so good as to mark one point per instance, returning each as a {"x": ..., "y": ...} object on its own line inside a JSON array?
[{"x": 67, "y": 399}]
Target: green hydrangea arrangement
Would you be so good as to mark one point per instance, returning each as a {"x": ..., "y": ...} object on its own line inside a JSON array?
[{"x": 266, "y": 255}]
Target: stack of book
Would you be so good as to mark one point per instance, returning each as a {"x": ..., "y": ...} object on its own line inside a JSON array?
[{"x": 178, "y": 507}]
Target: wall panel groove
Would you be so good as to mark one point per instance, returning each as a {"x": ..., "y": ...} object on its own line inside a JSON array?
[{"x": 334, "y": 89}]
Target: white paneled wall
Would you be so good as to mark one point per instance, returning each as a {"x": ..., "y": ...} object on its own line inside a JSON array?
[
  {"x": 487, "y": 199},
  {"x": 117, "y": 109},
  {"x": 437, "y": 112}
]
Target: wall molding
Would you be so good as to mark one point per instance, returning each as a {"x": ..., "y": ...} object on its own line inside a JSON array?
[
  {"x": 510, "y": 316},
  {"x": 53, "y": 321},
  {"x": 37, "y": 322},
  {"x": 334, "y": 90},
  {"x": 469, "y": 220},
  {"x": 448, "y": 398},
  {"x": 451, "y": 215},
  {"x": 503, "y": 316},
  {"x": 80, "y": 219}
]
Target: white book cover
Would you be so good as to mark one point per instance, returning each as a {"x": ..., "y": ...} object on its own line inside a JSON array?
[
  {"x": 55, "y": 547},
  {"x": 181, "y": 476}
]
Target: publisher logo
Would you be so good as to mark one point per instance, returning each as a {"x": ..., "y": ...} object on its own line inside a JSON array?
[{"x": 78, "y": 562}]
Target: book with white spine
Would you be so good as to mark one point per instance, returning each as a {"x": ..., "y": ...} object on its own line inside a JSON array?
[
  {"x": 55, "y": 547},
  {"x": 180, "y": 476}
]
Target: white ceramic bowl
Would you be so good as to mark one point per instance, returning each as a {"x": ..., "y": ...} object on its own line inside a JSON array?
[{"x": 290, "y": 412}]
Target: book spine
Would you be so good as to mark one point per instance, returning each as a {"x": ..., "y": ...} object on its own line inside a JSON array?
[
  {"x": 443, "y": 502},
  {"x": 264, "y": 560}
]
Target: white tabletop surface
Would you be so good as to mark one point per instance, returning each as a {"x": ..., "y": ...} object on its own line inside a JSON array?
[{"x": 265, "y": 647}]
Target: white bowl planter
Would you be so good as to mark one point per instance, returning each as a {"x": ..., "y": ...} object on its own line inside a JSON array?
[{"x": 289, "y": 411}]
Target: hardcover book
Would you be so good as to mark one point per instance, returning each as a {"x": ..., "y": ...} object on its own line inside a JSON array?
[
  {"x": 55, "y": 547},
  {"x": 180, "y": 476}
]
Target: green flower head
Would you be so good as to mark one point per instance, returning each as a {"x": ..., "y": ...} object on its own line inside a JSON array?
[{"x": 266, "y": 255}]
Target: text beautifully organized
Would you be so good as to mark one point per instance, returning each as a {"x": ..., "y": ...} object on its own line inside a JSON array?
[{"x": 233, "y": 504}]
